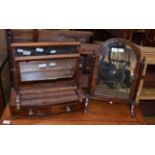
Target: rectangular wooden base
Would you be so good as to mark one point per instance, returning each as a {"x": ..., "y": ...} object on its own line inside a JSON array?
[
  {"x": 46, "y": 110},
  {"x": 98, "y": 113},
  {"x": 38, "y": 102}
]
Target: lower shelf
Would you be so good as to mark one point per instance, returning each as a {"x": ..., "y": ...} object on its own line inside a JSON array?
[
  {"x": 46, "y": 101},
  {"x": 98, "y": 113},
  {"x": 148, "y": 94}
]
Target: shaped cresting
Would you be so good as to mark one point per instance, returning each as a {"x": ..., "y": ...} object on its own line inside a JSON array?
[{"x": 115, "y": 72}]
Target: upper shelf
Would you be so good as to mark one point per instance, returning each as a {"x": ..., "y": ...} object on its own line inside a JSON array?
[{"x": 148, "y": 53}]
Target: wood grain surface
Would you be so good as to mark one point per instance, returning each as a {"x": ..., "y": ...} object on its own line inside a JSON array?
[{"x": 98, "y": 113}]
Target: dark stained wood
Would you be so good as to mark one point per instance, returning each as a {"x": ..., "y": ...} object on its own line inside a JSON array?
[
  {"x": 27, "y": 35},
  {"x": 46, "y": 35},
  {"x": 86, "y": 50},
  {"x": 110, "y": 97},
  {"x": 30, "y": 58},
  {"x": 44, "y": 44},
  {"x": 46, "y": 89},
  {"x": 99, "y": 113},
  {"x": 44, "y": 98},
  {"x": 35, "y": 35},
  {"x": 115, "y": 33},
  {"x": 64, "y": 35},
  {"x": 149, "y": 78},
  {"x": 28, "y": 98},
  {"x": 21, "y": 35},
  {"x": 89, "y": 49}
]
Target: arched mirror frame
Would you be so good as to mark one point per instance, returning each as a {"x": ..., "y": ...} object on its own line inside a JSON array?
[{"x": 94, "y": 75}]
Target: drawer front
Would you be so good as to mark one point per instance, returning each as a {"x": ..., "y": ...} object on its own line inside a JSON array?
[
  {"x": 46, "y": 110},
  {"x": 29, "y": 111}
]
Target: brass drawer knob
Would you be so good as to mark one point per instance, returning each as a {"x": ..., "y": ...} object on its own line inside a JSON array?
[
  {"x": 30, "y": 113},
  {"x": 68, "y": 108}
]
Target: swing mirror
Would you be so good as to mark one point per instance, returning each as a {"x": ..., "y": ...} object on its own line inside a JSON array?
[{"x": 116, "y": 69}]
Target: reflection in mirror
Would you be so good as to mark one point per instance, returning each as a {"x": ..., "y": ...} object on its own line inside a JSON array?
[{"x": 117, "y": 64}]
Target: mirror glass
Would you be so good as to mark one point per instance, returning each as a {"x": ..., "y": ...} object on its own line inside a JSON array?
[{"x": 116, "y": 70}]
